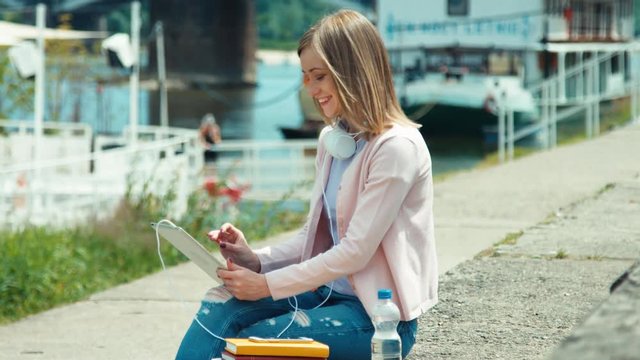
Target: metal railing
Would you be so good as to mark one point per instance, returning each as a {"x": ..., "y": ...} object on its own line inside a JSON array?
[
  {"x": 556, "y": 104},
  {"x": 17, "y": 140},
  {"x": 163, "y": 159},
  {"x": 45, "y": 192}
]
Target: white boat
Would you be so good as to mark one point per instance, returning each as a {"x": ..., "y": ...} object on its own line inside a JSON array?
[{"x": 457, "y": 59}]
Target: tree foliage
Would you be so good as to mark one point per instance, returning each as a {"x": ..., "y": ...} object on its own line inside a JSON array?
[
  {"x": 282, "y": 22},
  {"x": 16, "y": 94}
]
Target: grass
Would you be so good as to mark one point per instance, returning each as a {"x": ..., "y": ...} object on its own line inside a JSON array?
[
  {"x": 43, "y": 268},
  {"x": 605, "y": 188},
  {"x": 561, "y": 254},
  {"x": 509, "y": 239},
  {"x": 493, "y": 159},
  {"x": 550, "y": 218}
]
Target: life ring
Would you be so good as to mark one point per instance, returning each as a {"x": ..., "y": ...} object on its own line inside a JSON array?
[{"x": 490, "y": 105}]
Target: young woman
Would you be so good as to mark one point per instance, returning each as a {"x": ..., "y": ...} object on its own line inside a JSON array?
[{"x": 370, "y": 224}]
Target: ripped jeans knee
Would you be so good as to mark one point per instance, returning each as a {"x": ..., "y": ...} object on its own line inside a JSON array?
[{"x": 342, "y": 323}]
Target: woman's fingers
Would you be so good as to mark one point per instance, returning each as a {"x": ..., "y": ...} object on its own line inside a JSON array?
[
  {"x": 230, "y": 233},
  {"x": 213, "y": 235},
  {"x": 243, "y": 283},
  {"x": 226, "y": 233}
]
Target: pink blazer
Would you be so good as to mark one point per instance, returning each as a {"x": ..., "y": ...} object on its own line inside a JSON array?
[{"x": 385, "y": 224}]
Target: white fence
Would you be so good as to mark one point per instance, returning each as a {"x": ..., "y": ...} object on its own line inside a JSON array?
[
  {"x": 270, "y": 168},
  {"x": 59, "y": 140},
  {"x": 66, "y": 190},
  {"x": 48, "y": 192}
]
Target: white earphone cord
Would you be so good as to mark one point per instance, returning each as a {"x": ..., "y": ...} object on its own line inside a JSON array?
[{"x": 182, "y": 301}]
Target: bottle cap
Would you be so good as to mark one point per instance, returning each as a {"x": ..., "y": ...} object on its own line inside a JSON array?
[{"x": 384, "y": 294}]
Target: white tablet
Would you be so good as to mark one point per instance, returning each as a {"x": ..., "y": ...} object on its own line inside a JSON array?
[{"x": 191, "y": 248}]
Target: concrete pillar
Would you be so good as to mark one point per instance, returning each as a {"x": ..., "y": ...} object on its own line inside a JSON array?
[
  {"x": 210, "y": 49},
  {"x": 212, "y": 41}
]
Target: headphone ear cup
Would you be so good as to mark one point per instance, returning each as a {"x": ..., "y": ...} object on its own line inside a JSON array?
[{"x": 339, "y": 143}]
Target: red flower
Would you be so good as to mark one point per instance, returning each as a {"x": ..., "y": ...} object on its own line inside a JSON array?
[
  {"x": 234, "y": 194},
  {"x": 211, "y": 186}
]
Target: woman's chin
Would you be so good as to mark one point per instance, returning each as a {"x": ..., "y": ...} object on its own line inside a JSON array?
[{"x": 329, "y": 114}]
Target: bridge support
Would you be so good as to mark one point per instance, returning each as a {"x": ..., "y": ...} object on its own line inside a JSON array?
[{"x": 210, "y": 59}]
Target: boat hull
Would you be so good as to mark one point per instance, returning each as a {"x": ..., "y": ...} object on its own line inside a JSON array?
[
  {"x": 299, "y": 133},
  {"x": 452, "y": 120}
]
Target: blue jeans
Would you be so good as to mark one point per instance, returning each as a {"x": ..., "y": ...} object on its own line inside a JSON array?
[{"x": 341, "y": 322}]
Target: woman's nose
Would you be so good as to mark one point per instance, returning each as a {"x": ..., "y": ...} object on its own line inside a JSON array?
[{"x": 312, "y": 90}]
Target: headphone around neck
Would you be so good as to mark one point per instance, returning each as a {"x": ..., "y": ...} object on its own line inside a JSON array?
[{"x": 339, "y": 143}]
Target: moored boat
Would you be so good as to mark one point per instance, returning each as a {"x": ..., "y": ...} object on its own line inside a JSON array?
[{"x": 458, "y": 61}]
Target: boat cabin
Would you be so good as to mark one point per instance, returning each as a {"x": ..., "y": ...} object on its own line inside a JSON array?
[{"x": 527, "y": 40}]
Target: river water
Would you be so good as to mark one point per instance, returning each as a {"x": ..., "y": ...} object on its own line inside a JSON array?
[{"x": 272, "y": 104}]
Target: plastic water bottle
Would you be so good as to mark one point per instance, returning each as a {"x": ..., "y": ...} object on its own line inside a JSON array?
[{"x": 386, "y": 344}]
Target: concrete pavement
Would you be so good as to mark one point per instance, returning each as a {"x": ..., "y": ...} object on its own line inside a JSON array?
[
  {"x": 474, "y": 210},
  {"x": 520, "y": 298}
]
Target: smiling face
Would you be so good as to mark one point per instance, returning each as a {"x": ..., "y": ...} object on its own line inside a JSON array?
[{"x": 319, "y": 83}]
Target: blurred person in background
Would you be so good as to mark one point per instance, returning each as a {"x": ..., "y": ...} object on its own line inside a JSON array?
[{"x": 210, "y": 136}]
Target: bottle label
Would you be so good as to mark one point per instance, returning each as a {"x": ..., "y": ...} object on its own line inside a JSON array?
[{"x": 388, "y": 350}]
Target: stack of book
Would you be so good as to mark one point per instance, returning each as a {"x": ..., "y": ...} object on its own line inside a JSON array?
[{"x": 274, "y": 349}]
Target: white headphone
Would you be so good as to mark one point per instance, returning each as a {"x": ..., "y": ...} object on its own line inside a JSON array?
[{"x": 339, "y": 143}]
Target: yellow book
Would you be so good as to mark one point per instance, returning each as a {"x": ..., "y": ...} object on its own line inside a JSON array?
[{"x": 277, "y": 347}]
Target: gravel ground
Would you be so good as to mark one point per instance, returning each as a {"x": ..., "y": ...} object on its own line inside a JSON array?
[
  {"x": 500, "y": 308},
  {"x": 520, "y": 300}
]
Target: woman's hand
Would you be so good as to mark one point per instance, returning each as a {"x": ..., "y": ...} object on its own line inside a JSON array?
[
  {"x": 233, "y": 246},
  {"x": 243, "y": 283}
]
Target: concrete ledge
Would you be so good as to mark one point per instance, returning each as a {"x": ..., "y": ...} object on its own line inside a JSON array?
[{"x": 612, "y": 331}]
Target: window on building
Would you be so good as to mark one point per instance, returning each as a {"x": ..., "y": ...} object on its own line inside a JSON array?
[{"x": 458, "y": 7}]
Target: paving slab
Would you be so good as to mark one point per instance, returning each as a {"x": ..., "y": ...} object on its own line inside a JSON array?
[{"x": 584, "y": 230}]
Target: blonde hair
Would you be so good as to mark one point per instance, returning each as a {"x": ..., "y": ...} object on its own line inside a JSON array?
[{"x": 357, "y": 60}]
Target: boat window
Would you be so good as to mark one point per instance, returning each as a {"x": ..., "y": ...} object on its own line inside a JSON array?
[
  {"x": 615, "y": 64},
  {"x": 458, "y": 7}
]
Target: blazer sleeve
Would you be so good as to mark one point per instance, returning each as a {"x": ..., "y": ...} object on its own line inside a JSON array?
[{"x": 392, "y": 171}]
